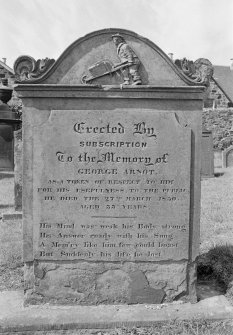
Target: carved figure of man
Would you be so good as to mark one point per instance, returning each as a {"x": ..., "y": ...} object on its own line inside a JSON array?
[{"x": 130, "y": 62}]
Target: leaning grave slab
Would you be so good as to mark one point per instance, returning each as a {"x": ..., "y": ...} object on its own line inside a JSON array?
[{"x": 111, "y": 179}]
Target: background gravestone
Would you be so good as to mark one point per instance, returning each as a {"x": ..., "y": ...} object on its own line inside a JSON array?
[
  {"x": 207, "y": 154},
  {"x": 218, "y": 159},
  {"x": 227, "y": 157},
  {"x": 18, "y": 169},
  {"x": 111, "y": 174}
]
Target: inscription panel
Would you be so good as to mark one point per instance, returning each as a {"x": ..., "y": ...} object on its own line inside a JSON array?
[{"x": 111, "y": 186}]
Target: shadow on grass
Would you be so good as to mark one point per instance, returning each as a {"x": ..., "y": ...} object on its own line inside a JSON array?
[
  {"x": 218, "y": 174},
  {"x": 217, "y": 264}
]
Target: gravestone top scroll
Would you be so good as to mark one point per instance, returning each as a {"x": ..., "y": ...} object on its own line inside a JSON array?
[{"x": 111, "y": 186}]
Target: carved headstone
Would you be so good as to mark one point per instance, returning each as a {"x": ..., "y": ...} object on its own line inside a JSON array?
[
  {"x": 111, "y": 186},
  {"x": 218, "y": 158}
]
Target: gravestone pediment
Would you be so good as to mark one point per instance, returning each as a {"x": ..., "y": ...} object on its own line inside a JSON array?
[{"x": 108, "y": 57}]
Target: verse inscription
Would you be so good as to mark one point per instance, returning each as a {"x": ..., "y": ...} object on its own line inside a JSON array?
[{"x": 111, "y": 190}]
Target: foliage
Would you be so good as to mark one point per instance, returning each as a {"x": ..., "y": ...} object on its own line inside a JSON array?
[
  {"x": 219, "y": 121},
  {"x": 217, "y": 263}
]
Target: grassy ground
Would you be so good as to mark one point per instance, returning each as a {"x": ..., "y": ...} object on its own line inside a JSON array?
[
  {"x": 172, "y": 328},
  {"x": 217, "y": 211},
  {"x": 11, "y": 270},
  {"x": 178, "y": 328},
  {"x": 6, "y": 192}
]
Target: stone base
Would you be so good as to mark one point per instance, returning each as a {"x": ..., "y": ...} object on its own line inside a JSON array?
[
  {"x": 84, "y": 283},
  {"x": 14, "y": 318}
]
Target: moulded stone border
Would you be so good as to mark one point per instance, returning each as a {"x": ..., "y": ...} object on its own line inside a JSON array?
[{"x": 134, "y": 92}]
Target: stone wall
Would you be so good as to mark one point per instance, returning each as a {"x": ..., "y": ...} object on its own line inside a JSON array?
[
  {"x": 219, "y": 121},
  {"x": 217, "y": 96}
]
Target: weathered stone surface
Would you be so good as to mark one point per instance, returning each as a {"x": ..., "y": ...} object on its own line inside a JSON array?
[
  {"x": 18, "y": 169},
  {"x": 86, "y": 283},
  {"x": 199, "y": 71},
  {"x": 86, "y": 320},
  {"x": 111, "y": 180},
  {"x": 113, "y": 286},
  {"x": 141, "y": 292},
  {"x": 169, "y": 277}
]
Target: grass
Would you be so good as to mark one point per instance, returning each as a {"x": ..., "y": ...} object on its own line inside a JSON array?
[
  {"x": 6, "y": 192},
  {"x": 217, "y": 211},
  {"x": 10, "y": 242},
  {"x": 193, "y": 327},
  {"x": 216, "y": 231},
  {"x": 11, "y": 266}
]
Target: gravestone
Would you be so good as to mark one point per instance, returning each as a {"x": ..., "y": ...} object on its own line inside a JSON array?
[
  {"x": 218, "y": 158},
  {"x": 6, "y": 147},
  {"x": 207, "y": 154},
  {"x": 112, "y": 160},
  {"x": 227, "y": 157},
  {"x": 18, "y": 169}
]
